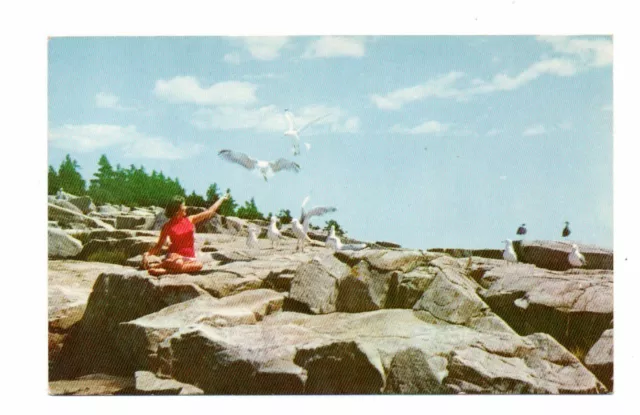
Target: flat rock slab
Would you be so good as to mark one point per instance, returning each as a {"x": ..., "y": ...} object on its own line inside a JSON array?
[
  {"x": 388, "y": 260},
  {"x": 344, "y": 353},
  {"x": 98, "y": 384},
  {"x": 574, "y": 306},
  {"x": 553, "y": 255},
  {"x": 61, "y": 245},
  {"x": 147, "y": 383}
]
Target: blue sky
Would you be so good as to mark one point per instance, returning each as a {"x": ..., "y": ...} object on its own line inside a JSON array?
[{"x": 431, "y": 141}]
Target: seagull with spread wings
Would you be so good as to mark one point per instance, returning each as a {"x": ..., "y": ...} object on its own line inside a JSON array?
[
  {"x": 295, "y": 133},
  {"x": 265, "y": 168},
  {"x": 305, "y": 217}
]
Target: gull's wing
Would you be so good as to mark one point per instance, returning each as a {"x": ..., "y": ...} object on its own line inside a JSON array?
[
  {"x": 311, "y": 122},
  {"x": 287, "y": 114},
  {"x": 239, "y": 158},
  {"x": 316, "y": 211},
  {"x": 582, "y": 258},
  {"x": 284, "y": 164}
]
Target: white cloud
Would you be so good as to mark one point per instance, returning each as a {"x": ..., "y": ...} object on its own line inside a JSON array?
[
  {"x": 187, "y": 89},
  {"x": 271, "y": 119},
  {"x": 335, "y": 46},
  {"x": 91, "y": 137},
  {"x": 449, "y": 85},
  {"x": 428, "y": 127},
  {"x": 441, "y": 87},
  {"x": 590, "y": 52},
  {"x": 534, "y": 130},
  {"x": 232, "y": 57},
  {"x": 110, "y": 101},
  {"x": 265, "y": 47}
]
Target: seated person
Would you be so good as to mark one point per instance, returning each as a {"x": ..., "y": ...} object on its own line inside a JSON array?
[{"x": 180, "y": 229}]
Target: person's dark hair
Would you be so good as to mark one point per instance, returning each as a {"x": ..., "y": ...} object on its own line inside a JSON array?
[{"x": 173, "y": 206}]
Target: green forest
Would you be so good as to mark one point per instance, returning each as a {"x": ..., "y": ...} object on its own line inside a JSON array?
[{"x": 135, "y": 187}]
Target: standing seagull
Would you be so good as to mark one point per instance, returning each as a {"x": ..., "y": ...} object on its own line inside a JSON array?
[
  {"x": 336, "y": 244},
  {"x": 305, "y": 217},
  {"x": 273, "y": 233},
  {"x": 509, "y": 254},
  {"x": 522, "y": 230},
  {"x": 576, "y": 258},
  {"x": 252, "y": 239},
  {"x": 566, "y": 231},
  {"x": 265, "y": 168},
  {"x": 299, "y": 232},
  {"x": 295, "y": 133}
]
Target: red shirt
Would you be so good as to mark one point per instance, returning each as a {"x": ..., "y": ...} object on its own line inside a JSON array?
[{"x": 181, "y": 233}]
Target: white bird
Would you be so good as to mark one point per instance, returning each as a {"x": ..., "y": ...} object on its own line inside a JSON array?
[
  {"x": 273, "y": 233},
  {"x": 299, "y": 232},
  {"x": 509, "y": 254},
  {"x": 336, "y": 244},
  {"x": 265, "y": 168},
  {"x": 252, "y": 239},
  {"x": 295, "y": 133},
  {"x": 576, "y": 258},
  {"x": 305, "y": 217}
]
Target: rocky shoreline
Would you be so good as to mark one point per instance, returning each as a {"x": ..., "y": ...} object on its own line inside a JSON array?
[{"x": 384, "y": 320}]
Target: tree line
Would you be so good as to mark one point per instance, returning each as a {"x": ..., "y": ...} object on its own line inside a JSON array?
[{"x": 134, "y": 186}]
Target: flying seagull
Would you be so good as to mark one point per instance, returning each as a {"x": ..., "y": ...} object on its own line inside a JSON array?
[
  {"x": 509, "y": 254},
  {"x": 336, "y": 244},
  {"x": 273, "y": 233},
  {"x": 265, "y": 168},
  {"x": 305, "y": 217},
  {"x": 576, "y": 258},
  {"x": 566, "y": 231},
  {"x": 295, "y": 133},
  {"x": 299, "y": 232},
  {"x": 522, "y": 230}
]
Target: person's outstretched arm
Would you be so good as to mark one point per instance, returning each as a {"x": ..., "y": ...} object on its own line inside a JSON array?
[
  {"x": 155, "y": 250},
  {"x": 208, "y": 214}
]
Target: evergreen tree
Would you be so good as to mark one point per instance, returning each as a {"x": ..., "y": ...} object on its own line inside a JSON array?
[
  {"x": 69, "y": 178},
  {"x": 53, "y": 182},
  {"x": 284, "y": 216},
  {"x": 249, "y": 211},
  {"x": 228, "y": 207},
  {"x": 195, "y": 200}
]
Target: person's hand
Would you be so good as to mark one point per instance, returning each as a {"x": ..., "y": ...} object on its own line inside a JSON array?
[
  {"x": 225, "y": 197},
  {"x": 145, "y": 260}
]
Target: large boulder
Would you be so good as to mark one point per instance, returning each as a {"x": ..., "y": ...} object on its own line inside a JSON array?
[
  {"x": 315, "y": 284},
  {"x": 573, "y": 306},
  {"x": 372, "y": 352},
  {"x": 140, "y": 338},
  {"x": 61, "y": 245},
  {"x": 69, "y": 287},
  {"x": 116, "y": 297},
  {"x": 554, "y": 255},
  {"x": 116, "y": 251},
  {"x": 84, "y": 203},
  {"x": 599, "y": 359},
  {"x": 67, "y": 218},
  {"x": 148, "y": 383}
]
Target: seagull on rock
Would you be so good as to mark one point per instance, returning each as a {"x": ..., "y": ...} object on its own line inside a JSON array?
[
  {"x": 305, "y": 217},
  {"x": 336, "y": 244},
  {"x": 298, "y": 231},
  {"x": 509, "y": 254},
  {"x": 295, "y": 133},
  {"x": 252, "y": 239},
  {"x": 273, "y": 233},
  {"x": 265, "y": 168},
  {"x": 576, "y": 258},
  {"x": 566, "y": 231},
  {"x": 522, "y": 230}
]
